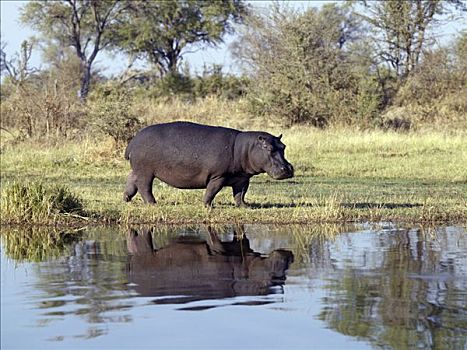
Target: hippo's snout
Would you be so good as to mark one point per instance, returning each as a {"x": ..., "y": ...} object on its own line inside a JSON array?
[{"x": 284, "y": 172}]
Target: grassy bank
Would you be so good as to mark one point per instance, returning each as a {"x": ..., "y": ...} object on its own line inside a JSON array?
[{"x": 341, "y": 176}]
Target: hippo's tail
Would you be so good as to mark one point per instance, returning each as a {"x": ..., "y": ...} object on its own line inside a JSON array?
[{"x": 128, "y": 151}]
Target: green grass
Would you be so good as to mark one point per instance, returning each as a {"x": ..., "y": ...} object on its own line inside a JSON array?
[
  {"x": 341, "y": 176},
  {"x": 36, "y": 202}
]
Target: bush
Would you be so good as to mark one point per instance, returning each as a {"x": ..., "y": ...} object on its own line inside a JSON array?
[
  {"x": 302, "y": 70},
  {"x": 110, "y": 111},
  {"x": 173, "y": 84},
  {"x": 36, "y": 202},
  {"x": 213, "y": 82},
  {"x": 41, "y": 104},
  {"x": 42, "y": 108},
  {"x": 434, "y": 93}
]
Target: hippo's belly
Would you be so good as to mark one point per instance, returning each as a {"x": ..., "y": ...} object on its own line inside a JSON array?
[{"x": 183, "y": 178}]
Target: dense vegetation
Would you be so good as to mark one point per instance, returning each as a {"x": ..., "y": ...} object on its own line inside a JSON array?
[{"x": 368, "y": 65}]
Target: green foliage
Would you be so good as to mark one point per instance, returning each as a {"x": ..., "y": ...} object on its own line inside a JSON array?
[
  {"x": 36, "y": 202},
  {"x": 41, "y": 104},
  {"x": 213, "y": 82},
  {"x": 401, "y": 30},
  {"x": 302, "y": 68},
  {"x": 86, "y": 26},
  {"x": 435, "y": 91},
  {"x": 110, "y": 112},
  {"x": 172, "y": 84},
  {"x": 162, "y": 31}
]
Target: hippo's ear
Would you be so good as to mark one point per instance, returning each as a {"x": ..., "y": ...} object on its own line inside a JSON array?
[{"x": 279, "y": 137}]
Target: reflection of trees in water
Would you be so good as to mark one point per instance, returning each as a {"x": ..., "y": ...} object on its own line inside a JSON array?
[
  {"x": 32, "y": 243},
  {"x": 399, "y": 289},
  {"x": 308, "y": 242},
  {"x": 81, "y": 277},
  {"x": 410, "y": 293}
]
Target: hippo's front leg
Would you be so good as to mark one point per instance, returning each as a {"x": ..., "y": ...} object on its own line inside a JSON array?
[
  {"x": 213, "y": 188},
  {"x": 239, "y": 189}
]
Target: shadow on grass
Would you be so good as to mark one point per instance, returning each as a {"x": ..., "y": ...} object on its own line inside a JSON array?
[
  {"x": 345, "y": 205},
  {"x": 277, "y": 205},
  {"x": 379, "y": 205}
]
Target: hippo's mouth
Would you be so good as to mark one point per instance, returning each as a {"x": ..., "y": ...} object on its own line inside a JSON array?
[
  {"x": 283, "y": 173},
  {"x": 282, "y": 176}
]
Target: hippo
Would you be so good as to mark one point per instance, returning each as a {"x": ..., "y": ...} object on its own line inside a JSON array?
[
  {"x": 195, "y": 269},
  {"x": 187, "y": 155}
]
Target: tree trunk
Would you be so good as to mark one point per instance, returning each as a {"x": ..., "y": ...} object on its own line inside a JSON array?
[
  {"x": 172, "y": 64},
  {"x": 85, "y": 83}
]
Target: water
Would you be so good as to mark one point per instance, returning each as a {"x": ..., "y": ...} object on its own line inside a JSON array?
[{"x": 322, "y": 287}]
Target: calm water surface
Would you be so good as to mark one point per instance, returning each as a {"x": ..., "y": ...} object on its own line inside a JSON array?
[{"x": 236, "y": 287}]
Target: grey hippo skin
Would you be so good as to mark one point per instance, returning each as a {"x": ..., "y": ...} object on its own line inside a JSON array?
[{"x": 188, "y": 156}]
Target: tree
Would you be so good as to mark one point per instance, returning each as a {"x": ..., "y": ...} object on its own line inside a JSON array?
[
  {"x": 300, "y": 64},
  {"x": 163, "y": 31},
  {"x": 461, "y": 56},
  {"x": 18, "y": 75},
  {"x": 84, "y": 25},
  {"x": 17, "y": 69},
  {"x": 401, "y": 29},
  {"x": 36, "y": 102}
]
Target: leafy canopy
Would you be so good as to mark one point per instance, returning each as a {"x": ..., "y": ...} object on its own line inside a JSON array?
[
  {"x": 162, "y": 31},
  {"x": 84, "y": 25}
]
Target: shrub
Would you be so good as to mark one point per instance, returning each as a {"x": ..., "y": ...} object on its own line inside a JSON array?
[
  {"x": 173, "y": 84},
  {"x": 434, "y": 93},
  {"x": 301, "y": 67},
  {"x": 111, "y": 113},
  {"x": 41, "y": 104},
  {"x": 41, "y": 110},
  {"x": 213, "y": 82}
]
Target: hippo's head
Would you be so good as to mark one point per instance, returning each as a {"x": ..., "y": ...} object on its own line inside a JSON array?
[{"x": 268, "y": 156}]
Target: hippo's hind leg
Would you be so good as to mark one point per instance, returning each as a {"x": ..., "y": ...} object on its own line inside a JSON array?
[
  {"x": 239, "y": 189},
  {"x": 141, "y": 183},
  {"x": 130, "y": 189},
  {"x": 144, "y": 184}
]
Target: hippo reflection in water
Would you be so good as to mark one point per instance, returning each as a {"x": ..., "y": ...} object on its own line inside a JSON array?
[{"x": 188, "y": 270}]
